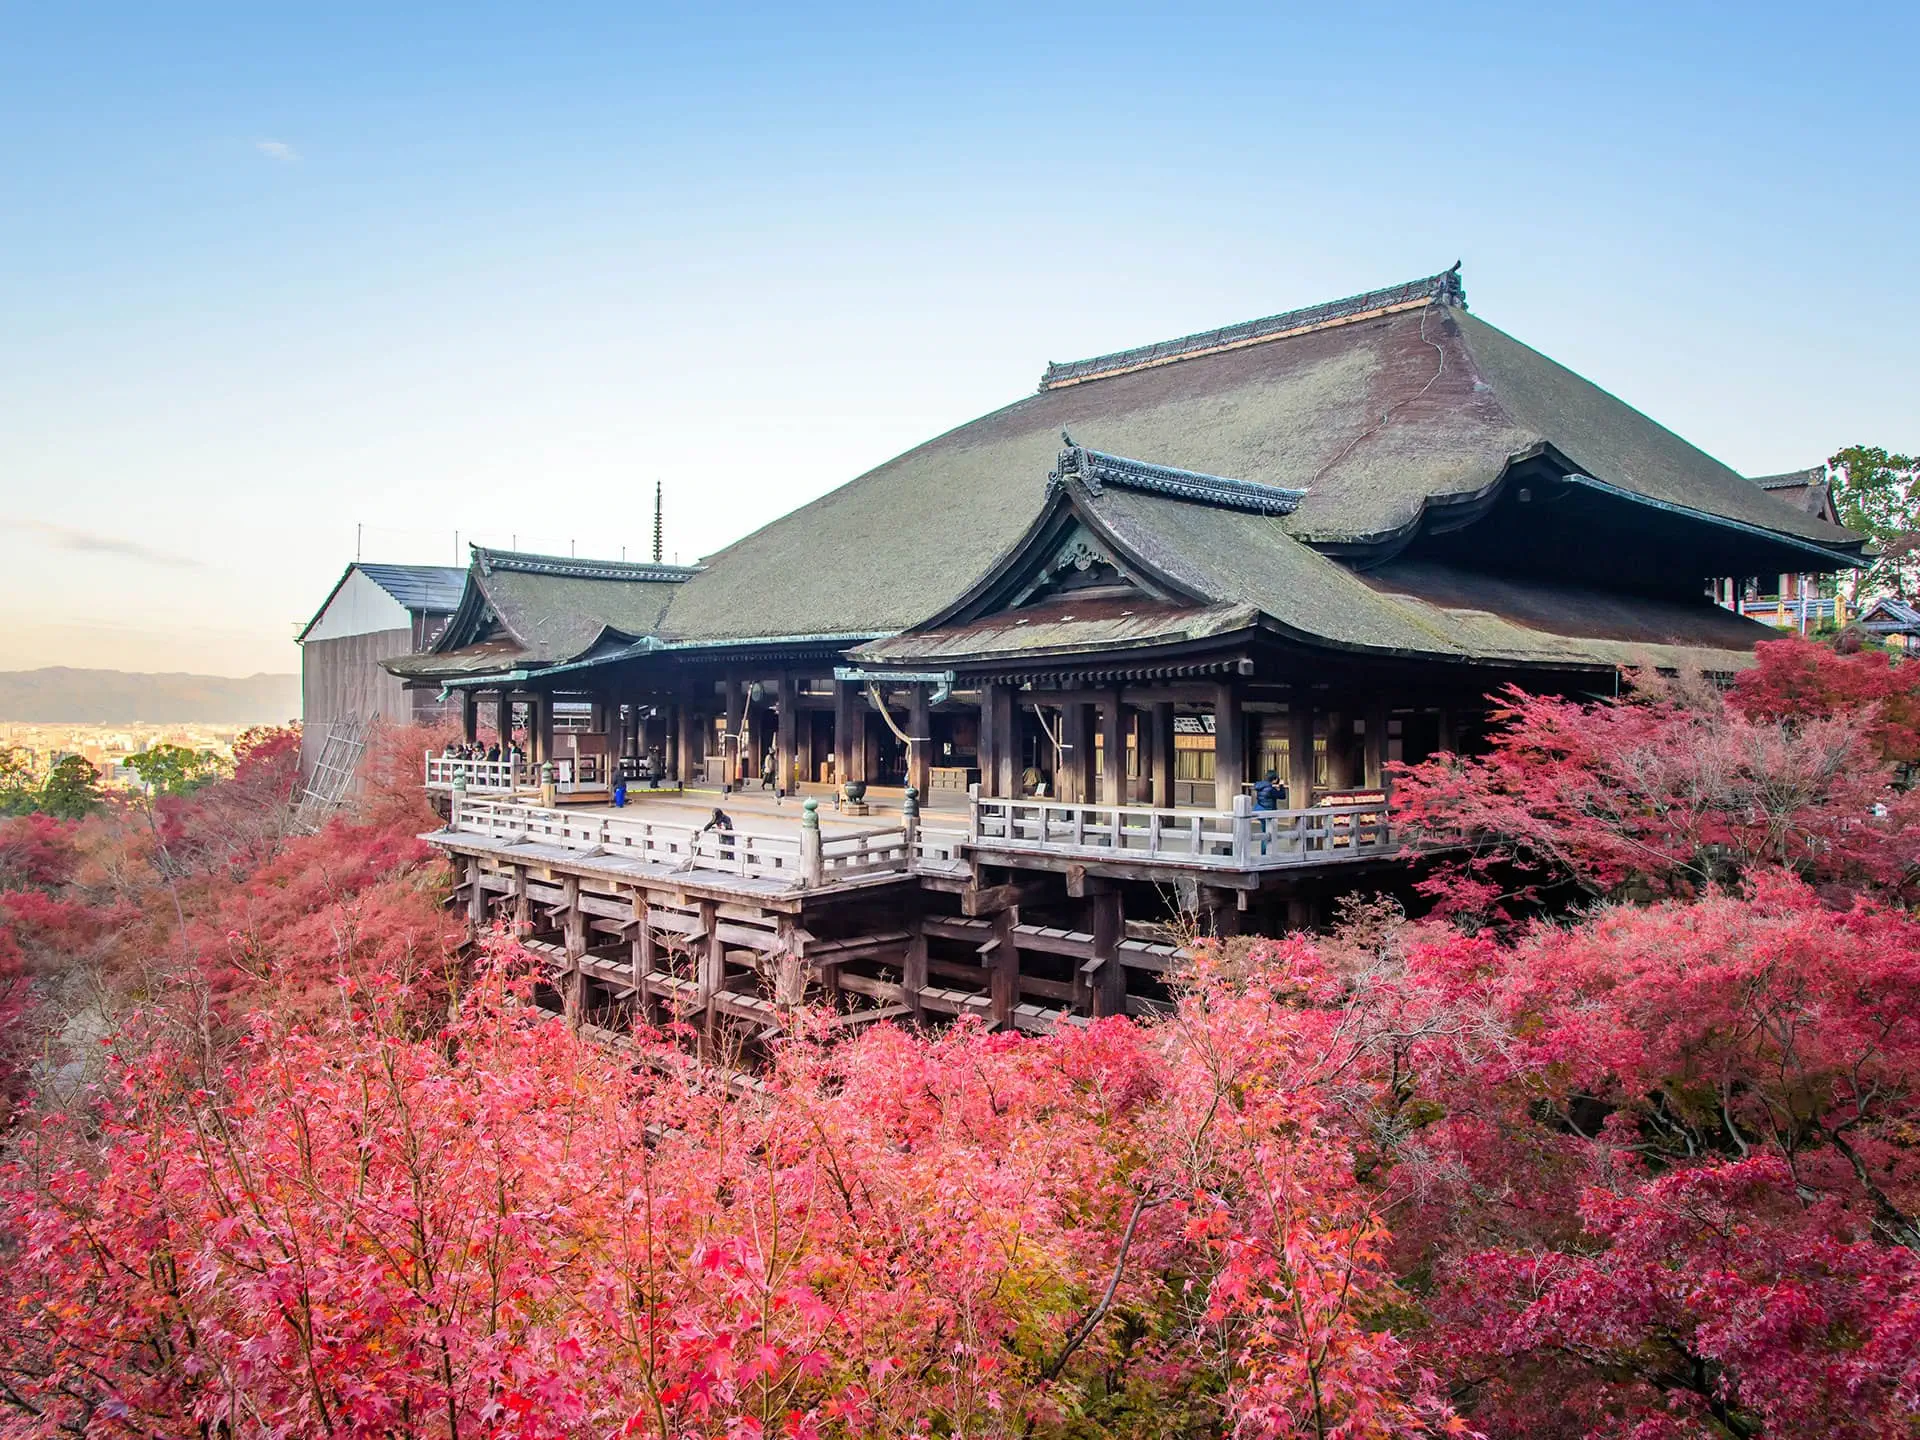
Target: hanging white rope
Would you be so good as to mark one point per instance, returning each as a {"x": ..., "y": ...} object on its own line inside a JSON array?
[
  {"x": 1059, "y": 745},
  {"x": 885, "y": 714}
]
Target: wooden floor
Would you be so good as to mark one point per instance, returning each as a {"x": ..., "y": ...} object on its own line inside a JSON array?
[{"x": 759, "y": 810}]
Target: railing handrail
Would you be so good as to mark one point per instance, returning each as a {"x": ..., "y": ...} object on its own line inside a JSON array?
[
  {"x": 1241, "y": 838},
  {"x": 750, "y": 853}
]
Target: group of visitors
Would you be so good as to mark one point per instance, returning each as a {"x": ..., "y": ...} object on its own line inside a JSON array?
[{"x": 476, "y": 751}]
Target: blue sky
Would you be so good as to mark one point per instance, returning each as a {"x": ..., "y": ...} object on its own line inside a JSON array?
[{"x": 266, "y": 276}]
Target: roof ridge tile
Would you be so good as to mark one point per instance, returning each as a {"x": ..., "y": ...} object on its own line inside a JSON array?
[{"x": 1445, "y": 288}]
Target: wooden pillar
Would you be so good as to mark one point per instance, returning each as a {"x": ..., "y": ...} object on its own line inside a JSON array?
[
  {"x": 643, "y": 958},
  {"x": 783, "y": 732},
  {"x": 503, "y": 717},
  {"x": 1003, "y": 970},
  {"x": 846, "y": 698},
  {"x": 990, "y": 742},
  {"x": 522, "y": 915},
  {"x": 469, "y": 716},
  {"x": 573, "y": 983},
  {"x": 1344, "y": 766},
  {"x": 1220, "y": 910},
  {"x": 1160, "y": 752},
  {"x": 683, "y": 744},
  {"x": 543, "y": 727},
  {"x": 920, "y": 730},
  {"x": 1113, "y": 740},
  {"x": 1449, "y": 731},
  {"x": 913, "y": 970},
  {"x": 1073, "y": 777},
  {"x": 736, "y": 723},
  {"x": 1109, "y": 989},
  {"x": 476, "y": 899},
  {"x": 712, "y": 972},
  {"x": 861, "y": 755},
  {"x": 1300, "y": 754},
  {"x": 1376, "y": 744},
  {"x": 1229, "y": 745},
  {"x": 1007, "y": 718}
]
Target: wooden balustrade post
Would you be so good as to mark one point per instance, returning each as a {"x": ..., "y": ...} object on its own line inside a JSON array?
[
  {"x": 813, "y": 865},
  {"x": 1243, "y": 830}
]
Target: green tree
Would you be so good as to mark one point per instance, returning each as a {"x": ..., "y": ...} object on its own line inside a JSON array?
[
  {"x": 17, "y": 794},
  {"x": 72, "y": 789},
  {"x": 1877, "y": 494},
  {"x": 174, "y": 769}
]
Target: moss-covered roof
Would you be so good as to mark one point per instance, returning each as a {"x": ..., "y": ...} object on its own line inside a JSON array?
[
  {"x": 557, "y": 607},
  {"x": 1376, "y": 419},
  {"x": 1226, "y": 569}
]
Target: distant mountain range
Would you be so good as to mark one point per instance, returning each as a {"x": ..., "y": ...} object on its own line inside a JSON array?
[{"x": 117, "y": 697}]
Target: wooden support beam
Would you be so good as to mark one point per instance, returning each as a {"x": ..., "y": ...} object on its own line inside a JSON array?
[
  {"x": 1108, "y": 920},
  {"x": 469, "y": 716},
  {"x": 1003, "y": 970},
  {"x": 913, "y": 973},
  {"x": 643, "y": 957},
  {"x": 985, "y": 900},
  {"x": 476, "y": 899},
  {"x": 522, "y": 915},
  {"x": 713, "y": 973},
  {"x": 790, "y": 971},
  {"x": 1219, "y": 911},
  {"x": 573, "y": 922}
]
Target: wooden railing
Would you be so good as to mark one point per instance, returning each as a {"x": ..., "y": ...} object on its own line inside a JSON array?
[
  {"x": 801, "y": 858},
  {"x": 1239, "y": 839},
  {"x": 483, "y": 777}
]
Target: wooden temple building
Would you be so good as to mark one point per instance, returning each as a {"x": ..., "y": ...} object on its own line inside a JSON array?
[{"x": 1058, "y": 648}]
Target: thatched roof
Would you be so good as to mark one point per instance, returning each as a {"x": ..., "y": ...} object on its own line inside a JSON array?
[
  {"x": 1378, "y": 419},
  {"x": 1366, "y": 429}
]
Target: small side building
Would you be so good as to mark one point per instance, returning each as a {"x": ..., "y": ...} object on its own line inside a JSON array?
[
  {"x": 1788, "y": 601},
  {"x": 374, "y": 613}
]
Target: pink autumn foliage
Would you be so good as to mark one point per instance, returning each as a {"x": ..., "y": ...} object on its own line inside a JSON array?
[{"x": 490, "y": 1228}]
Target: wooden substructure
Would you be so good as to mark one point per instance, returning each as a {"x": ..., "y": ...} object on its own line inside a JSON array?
[{"x": 729, "y": 957}]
